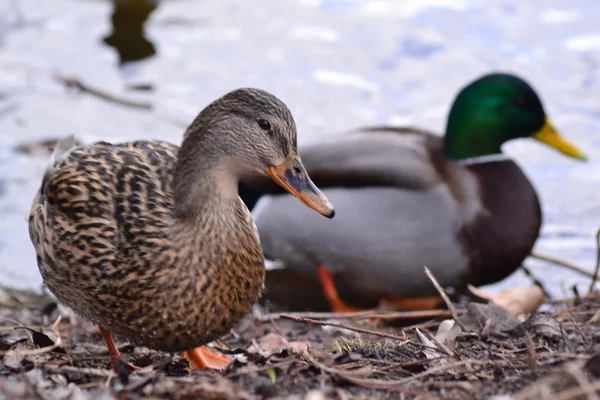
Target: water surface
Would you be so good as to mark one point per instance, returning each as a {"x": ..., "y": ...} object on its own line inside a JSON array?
[{"x": 337, "y": 64}]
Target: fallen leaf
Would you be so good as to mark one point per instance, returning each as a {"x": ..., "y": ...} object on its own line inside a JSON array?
[
  {"x": 544, "y": 325},
  {"x": 518, "y": 301},
  {"x": 316, "y": 395},
  {"x": 500, "y": 320},
  {"x": 431, "y": 351},
  {"x": 447, "y": 331},
  {"x": 40, "y": 339},
  {"x": 18, "y": 352},
  {"x": 595, "y": 319},
  {"x": 273, "y": 344}
]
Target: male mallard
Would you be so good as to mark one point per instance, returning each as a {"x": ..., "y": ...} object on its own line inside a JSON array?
[
  {"x": 152, "y": 242},
  {"x": 407, "y": 198}
]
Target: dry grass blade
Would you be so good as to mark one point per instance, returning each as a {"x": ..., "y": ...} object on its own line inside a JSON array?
[
  {"x": 72, "y": 82},
  {"x": 354, "y": 376},
  {"x": 441, "y": 345},
  {"x": 445, "y": 297},
  {"x": 396, "y": 385},
  {"x": 105, "y": 373},
  {"x": 341, "y": 326},
  {"x": 371, "y": 314},
  {"x": 595, "y": 278},
  {"x": 562, "y": 263}
]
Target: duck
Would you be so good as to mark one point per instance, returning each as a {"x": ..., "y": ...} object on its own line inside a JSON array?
[
  {"x": 408, "y": 198},
  {"x": 150, "y": 241}
]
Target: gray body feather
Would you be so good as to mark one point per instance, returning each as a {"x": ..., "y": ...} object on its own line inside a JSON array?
[{"x": 402, "y": 205}]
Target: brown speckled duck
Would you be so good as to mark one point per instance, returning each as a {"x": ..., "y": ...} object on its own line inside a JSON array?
[{"x": 151, "y": 241}]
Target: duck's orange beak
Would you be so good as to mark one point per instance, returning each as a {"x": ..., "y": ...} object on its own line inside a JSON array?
[{"x": 292, "y": 176}]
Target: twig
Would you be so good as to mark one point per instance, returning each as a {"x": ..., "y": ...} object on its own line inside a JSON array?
[
  {"x": 72, "y": 82},
  {"x": 595, "y": 278},
  {"x": 536, "y": 281},
  {"x": 341, "y": 326},
  {"x": 441, "y": 345},
  {"x": 562, "y": 263},
  {"x": 341, "y": 394},
  {"x": 106, "y": 373},
  {"x": 351, "y": 376},
  {"x": 441, "y": 368},
  {"x": 464, "y": 386},
  {"x": 276, "y": 327},
  {"x": 532, "y": 359},
  {"x": 399, "y": 384},
  {"x": 576, "y": 326},
  {"x": 58, "y": 343},
  {"x": 371, "y": 314},
  {"x": 445, "y": 297}
]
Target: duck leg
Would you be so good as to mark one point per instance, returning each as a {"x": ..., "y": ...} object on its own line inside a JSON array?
[
  {"x": 201, "y": 358},
  {"x": 386, "y": 302},
  {"x": 410, "y": 304},
  {"x": 335, "y": 302},
  {"x": 113, "y": 352}
]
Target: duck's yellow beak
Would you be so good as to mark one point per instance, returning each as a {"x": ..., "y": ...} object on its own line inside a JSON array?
[
  {"x": 550, "y": 136},
  {"x": 292, "y": 176}
]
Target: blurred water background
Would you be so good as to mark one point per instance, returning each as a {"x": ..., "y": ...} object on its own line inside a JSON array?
[{"x": 338, "y": 64}]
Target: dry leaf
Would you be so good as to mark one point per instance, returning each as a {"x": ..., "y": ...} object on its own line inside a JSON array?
[
  {"x": 595, "y": 319},
  {"x": 543, "y": 324},
  {"x": 447, "y": 331},
  {"x": 20, "y": 352},
  {"x": 273, "y": 343},
  {"x": 518, "y": 301},
  {"x": 316, "y": 395},
  {"x": 431, "y": 350},
  {"x": 491, "y": 316}
]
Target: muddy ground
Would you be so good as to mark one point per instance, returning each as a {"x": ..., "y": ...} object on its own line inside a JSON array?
[{"x": 47, "y": 353}]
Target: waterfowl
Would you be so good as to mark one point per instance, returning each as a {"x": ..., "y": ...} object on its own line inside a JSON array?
[
  {"x": 151, "y": 241},
  {"x": 406, "y": 198}
]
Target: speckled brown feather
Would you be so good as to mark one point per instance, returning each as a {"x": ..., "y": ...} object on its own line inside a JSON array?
[
  {"x": 109, "y": 248},
  {"x": 151, "y": 241}
]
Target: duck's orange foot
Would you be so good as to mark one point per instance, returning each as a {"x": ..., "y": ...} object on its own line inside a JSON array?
[
  {"x": 336, "y": 304},
  {"x": 201, "y": 358},
  {"x": 115, "y": 356}
]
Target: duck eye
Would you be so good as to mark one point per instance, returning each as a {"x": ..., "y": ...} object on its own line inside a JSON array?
[{"x": 264, "y": 124}]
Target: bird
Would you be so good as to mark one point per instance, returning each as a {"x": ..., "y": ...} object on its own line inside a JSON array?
[
  {"x": 151, "y": 241},
  {"x": 408, "y": 198}
]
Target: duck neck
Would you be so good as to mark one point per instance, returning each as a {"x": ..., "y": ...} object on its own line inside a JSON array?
[{"x": 203, "y": 179}]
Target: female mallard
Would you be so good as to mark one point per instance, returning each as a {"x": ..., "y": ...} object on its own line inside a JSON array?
[
  {"x": 152, "y": 242},
  {"x": 406, "y": 198}
]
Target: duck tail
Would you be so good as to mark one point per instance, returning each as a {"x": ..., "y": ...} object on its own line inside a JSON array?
[{"x": 61, "y": 151}]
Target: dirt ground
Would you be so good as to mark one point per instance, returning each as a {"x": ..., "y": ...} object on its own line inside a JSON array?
[{"x": 47, "y": 353}]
